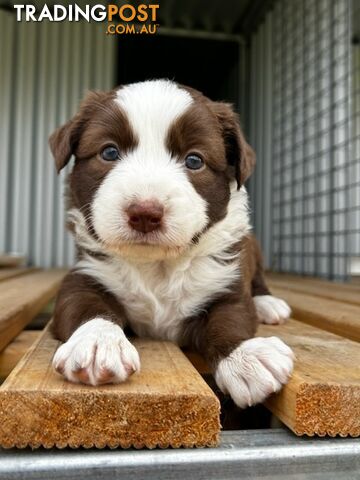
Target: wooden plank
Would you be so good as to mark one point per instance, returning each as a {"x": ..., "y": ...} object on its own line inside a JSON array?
[
  {"x": 320, "y": 288},
  {"x": 323, "y": 395},
  {"x": 22, "y": 298},
  {"x": 7, "y": 273},
  {"x": 331, "y": 315},
  {"x": 13, "y": 353},
  {"x": 198, "y": 362},
  {"x": 166, "y": 404},
  {"x": 12, "y": 260}
]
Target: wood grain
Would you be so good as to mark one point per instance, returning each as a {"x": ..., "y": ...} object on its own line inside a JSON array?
[
  {"x": 331, "y": 315},
  {"x": 22, "y": 298},
  {"x": 323, "y": 395},
  {"x": 7, "y": 273},
  {"x": 16, "y": 349},
  {"x": 166, "y": 404},
  {"x": 342, "y": 292}
]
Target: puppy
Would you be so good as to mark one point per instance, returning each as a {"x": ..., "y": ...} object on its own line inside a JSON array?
[{"x": 159, "y": 212}]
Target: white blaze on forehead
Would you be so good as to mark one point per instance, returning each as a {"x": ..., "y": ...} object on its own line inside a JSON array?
[
  {"x": 152, "y": 107},
  {"x": 149, "y": 171}
]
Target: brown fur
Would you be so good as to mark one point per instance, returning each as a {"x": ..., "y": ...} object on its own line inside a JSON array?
[
  {"x": 99, "y": 123},
  {"x": 231, "y": 319}
]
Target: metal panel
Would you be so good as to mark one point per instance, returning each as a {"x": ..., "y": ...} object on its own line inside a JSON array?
[
  {"x": 354, "y": 169},
  {"x": 255, "y": 455},
  {"x": 6, "y": 62},
  {"x": 309, "y": 229},
  {"x": 261, "y": 112},
  {"x": 46, "y": 69}
]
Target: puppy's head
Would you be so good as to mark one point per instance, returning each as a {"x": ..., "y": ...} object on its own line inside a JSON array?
[{"x": 153, "y": 166}]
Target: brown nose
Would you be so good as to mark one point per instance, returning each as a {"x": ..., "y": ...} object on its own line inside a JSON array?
[{"x": 145, "y": 216}]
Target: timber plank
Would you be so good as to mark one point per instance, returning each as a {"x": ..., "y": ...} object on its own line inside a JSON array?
[
  {"x": 166, "y": 404},
  {"x": 331, "y": 315},
  {"x": 16, "y": 349},
  {"x": 341, "y": 292},
  {"x": 7, "y": 273},
  {"x": 323, "y": 395},
  {"x": 22, "y": 298}
]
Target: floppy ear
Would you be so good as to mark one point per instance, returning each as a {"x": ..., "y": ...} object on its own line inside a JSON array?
[
  {"x": 63, "y": 141},
  {"x": 238, "y": 152}
]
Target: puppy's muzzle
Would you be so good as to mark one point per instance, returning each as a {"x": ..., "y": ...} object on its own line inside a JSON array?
[{"x": 145, "y": 216}]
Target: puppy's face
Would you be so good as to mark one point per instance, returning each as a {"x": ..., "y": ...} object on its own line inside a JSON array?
[{"x": 153, "y": 166}]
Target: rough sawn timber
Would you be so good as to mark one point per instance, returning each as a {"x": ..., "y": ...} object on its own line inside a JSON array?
[
  {"x": 323, "y": 395},
  {"x": 22, "y": 298},
  {"x": 166, "y": 404}
]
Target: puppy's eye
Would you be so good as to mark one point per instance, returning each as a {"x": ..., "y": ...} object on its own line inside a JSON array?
[
  {"x": 110, "y": 154},
  {"x": 193, "y": 162}
]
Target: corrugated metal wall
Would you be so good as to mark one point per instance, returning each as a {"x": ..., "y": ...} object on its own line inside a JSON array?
[
  {"x": 45, "y": 70},
  {"x": 301, "y": 128},
  {"x": 354, "y": 189}
]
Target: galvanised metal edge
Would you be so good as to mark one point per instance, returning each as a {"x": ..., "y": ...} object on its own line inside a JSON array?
[{"x": 246, "y": 454}]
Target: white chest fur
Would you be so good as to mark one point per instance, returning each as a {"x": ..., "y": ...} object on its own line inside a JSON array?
[{"x": 158, "y": 296}]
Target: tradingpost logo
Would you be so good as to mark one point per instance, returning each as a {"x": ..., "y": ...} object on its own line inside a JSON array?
[{"x": 121, "y": 19}]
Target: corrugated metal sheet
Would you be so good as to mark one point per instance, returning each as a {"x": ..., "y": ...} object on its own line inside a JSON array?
[
  {"x": 261, "y": 132},
  {"x": 354, "y": 188},
  {"x": 301, "y": 128},
  {"x": 46, "y": 69}
]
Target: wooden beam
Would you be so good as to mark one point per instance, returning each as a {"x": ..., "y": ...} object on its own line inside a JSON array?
[
  {"x": 322, "y": 397},
  {"x": 22, "y": 298},
  {"x": 13, "y": 353},
  {"x": 198, "y": 362},
  {"x": 341, "y": 292},
  {"x": 166, "y": 404},
  {"x": 7, "y": 273},
  {"x": 336, "y": 317}
]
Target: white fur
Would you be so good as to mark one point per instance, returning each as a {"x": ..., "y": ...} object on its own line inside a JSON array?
[
  {"x": 99, "y": 351},
  {"x": 150, "y": 172},
  {"x": 271, "y": 310},
  {"x": 254, "y": 370},
  {"x": 159, "y": 295}
]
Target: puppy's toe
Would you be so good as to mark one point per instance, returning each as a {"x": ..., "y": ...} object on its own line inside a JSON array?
[
  {"x": 254, "y": 370},
  {"x": 271, "y": 310},
  {"x": 115, "y": 361},
  {"x": 97, "y": 353}
]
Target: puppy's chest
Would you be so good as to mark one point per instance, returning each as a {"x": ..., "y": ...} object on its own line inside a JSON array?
[{"x": 158, "y": 297}]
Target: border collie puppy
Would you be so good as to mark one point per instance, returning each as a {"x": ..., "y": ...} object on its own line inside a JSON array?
[{"x": 159, "y": 212}]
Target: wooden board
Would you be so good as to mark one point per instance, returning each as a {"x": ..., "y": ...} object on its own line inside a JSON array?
[
  {"x": 16, "y": 349},
  {"x": 331, "y": 315},
  {"x": 12, "y": 260},
  {"x": 323, "y": 395},
  {"x": 342, "y": 292},
  {"x": 166, "y": 404},
  {"x": 22, "y": 298},
  {"x": 7, "y": 273}
]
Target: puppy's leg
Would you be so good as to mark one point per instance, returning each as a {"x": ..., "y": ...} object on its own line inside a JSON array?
[
  {"x": 247, "y": 368},
  {"x": 269, "y": 309},
  {"x": 89, "y": 320}
]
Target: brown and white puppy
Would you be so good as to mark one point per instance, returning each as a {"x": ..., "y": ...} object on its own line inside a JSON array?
[{"x": 160, "y": 217}]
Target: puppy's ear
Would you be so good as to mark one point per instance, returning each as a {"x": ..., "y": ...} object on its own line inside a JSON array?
[
  {"x": 238, "y": 152},
  {"x": 64, "y": 140}
]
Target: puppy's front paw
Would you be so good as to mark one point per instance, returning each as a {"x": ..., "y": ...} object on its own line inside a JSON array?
[
  {"x": 271, "y": 310},
  {"x": 98, "y": 352},
  {"x": 254, "y": 370}
]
